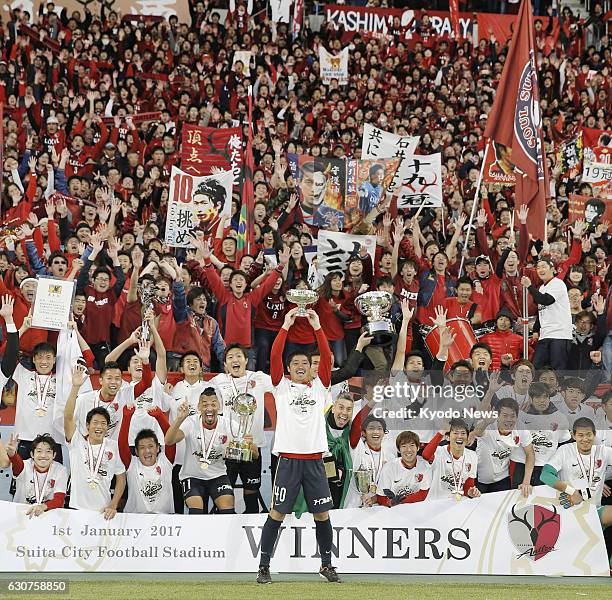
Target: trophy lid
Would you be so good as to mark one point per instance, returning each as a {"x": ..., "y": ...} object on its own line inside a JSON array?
[{"x": 303, "y": 297}]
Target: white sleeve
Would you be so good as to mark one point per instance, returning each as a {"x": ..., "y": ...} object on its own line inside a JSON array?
[
  {"x": 524, "y": 438},
  {"x": 386, "y": 478},
  {"x": 426, "y": 483},
  {"x": 61, "y": 483},
  {"x": 557, "y": 459}
]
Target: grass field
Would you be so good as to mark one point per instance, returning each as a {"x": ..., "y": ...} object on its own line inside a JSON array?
[{"x": 354, "y": 588}]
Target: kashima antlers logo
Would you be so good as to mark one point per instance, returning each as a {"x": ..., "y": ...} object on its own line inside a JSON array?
[{"x": 534, "y": 530}]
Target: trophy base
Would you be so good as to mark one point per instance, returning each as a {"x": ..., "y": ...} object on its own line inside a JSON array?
[
  {"x": 382, "y": 332},
  {"x": 239, "y": 453}
]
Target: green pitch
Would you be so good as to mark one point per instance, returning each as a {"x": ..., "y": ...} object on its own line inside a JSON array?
[{"x": 287, "y": 587}]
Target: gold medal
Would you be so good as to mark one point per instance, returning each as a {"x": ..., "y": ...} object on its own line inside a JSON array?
[
  {"x": 204, "y": 464},
  {"x": 458, "y": 496},
  {"x": 41, "y": 412},
  {"x": 372, "y": 488},
  {"x": 92, "y": 484}
]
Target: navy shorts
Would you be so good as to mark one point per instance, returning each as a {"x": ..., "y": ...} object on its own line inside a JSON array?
[
  {"x": 204, "y": 488},
  {"x": 308, "y": 474},
  {"x": 249, "y": 471}
]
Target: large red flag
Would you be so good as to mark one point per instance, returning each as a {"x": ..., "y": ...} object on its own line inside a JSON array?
[
  {"x": 516, "y": 122},
  {"x": 246, "y": 237}
]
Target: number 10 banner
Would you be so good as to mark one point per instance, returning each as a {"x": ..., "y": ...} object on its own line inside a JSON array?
[{"x": 196, "y": 203}]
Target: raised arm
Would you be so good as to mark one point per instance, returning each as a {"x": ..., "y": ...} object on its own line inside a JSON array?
[
  {"x": 400, "y": 352},
  {"x": 325, "y": 364},
  {"x": 277, "y": 371},
  {"x": 11, "y": 354},
  {"x": 174, "y": 435},
  {"x": 79, "y": 375}
]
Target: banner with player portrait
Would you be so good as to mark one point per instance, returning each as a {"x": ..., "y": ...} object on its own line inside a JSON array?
[
  {"x": 196, "y": 203},
  {"x": 593, "y": 210},
  {"x": 496, "y": 534},
  {"x": 334, "y": 249},
  {"x": 338, "y": 193},
  {"x": 206, "y": 148},
  {"x": 499, "y": 167},
  {"x": 333, "y": 66}
]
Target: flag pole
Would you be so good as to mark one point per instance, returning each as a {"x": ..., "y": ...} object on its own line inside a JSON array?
[
  {"x": 475, "y": 203},
  {"x": 525, "y": 324}
]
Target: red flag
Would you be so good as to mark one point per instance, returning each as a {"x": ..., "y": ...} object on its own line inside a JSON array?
[
  {"x": 516, "y": 122},
  {"x": 246, "y": 238},
  {"x": 453, "y": 7}
]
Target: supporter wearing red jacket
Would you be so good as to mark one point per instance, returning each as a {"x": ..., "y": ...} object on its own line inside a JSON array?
[{"x": 503, "y": 341}]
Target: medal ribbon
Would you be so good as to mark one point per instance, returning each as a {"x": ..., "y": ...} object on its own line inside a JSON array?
[
  {"x": 457, "y": 480},
  {"x": 38, "y": 491},
  {"x": 590, "y": 473},
  {"x": 205, "y": 450},
  {"x": 41, "y": 393},
  {"x": 93, "y": 469}
]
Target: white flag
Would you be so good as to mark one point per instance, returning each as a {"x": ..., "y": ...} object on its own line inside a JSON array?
[
  {"x": 281, "y": 10},
  {"x": 377, "y": 143},
  {"x": 334, "y": 249},
  {"x": 418, "y": 181},
  {"x": 333, "y": 67}
]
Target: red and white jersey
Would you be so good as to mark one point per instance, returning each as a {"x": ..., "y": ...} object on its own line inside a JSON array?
[
  {"x": 547, "y": 432},
  {"x": 604, "y": 435},
  {"x": 585, "y": 473},
  {"x": 583, "y": 410},
  {"x": 300, "y": 418},
  {"x": 82, "y": 496},
  {"x": 365, "y": 457},
  {"x": 494, "y": 450},
  {"x": 154, "y": 397},
  {"x": 51, "y": 482},
  {"x": 35, "y": 403},
  {"x": 150, "y": 488},
  {"x": 398, "y": 481},
  {"x": 180, "y": 392},
  {"x": 255, "y": 383},
  {"x": 449, "y": 474},
  {"x": 85, "y": 402},
  {"x": 211, "y": 447}
]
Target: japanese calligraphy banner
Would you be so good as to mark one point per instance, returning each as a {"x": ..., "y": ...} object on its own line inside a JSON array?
[
  {"x": 377, "y": 143},
  {"x": 499, "y": 167},
  {"x": 334, "y": 249},
  {"x": 569, "y": 158},
  {"x": 333, "y": 66},
  {"x": 196, "y": 203},
  {"x": 204, "y": 148},
  {"x": 336, "y": 192},
  {"x": 418, "y": 182},
  {"x": 593, "y": 210}
]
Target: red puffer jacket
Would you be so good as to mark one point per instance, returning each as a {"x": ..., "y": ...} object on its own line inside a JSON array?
[{"x": 502, "y": 343}]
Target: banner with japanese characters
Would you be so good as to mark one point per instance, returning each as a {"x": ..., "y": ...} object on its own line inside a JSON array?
[
  {"x": 196, "y": 203},
  {"x": 378, "y": 143},
  {"x": 594, "y": 211},
  {"x": 333, "y": 66},
  {"x": 597, "y": 161},
  {"x": 338, "y": 193},
  {"x": 205, "y": 149},
  {"x": 334, "y": 249},
  {"x": 569, "y": 158},
  {"x": 419, "y": 182}
]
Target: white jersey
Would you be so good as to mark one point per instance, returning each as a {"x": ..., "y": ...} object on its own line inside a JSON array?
[
  {"x": 153, "y": 397},
  {"x": 374, "y": 460},
  {"x": 555, "y": 319},
  {"x": 212, "y": 448},
  {"x": 508, "y": 391},
  {"x": 604, "y": 437},
  {"x": 300, "y": 418},
  {"x": 583, "y": 410},
  {"x": 150, "y": 488},
  {"x": 82, "y": 496},
  {"x": 449, "y": 474},
  {"x": 547, "y": 432},
  {"x": 180, "y": 392},
  {"x": 85, "y": 402},
  {"x": 584, "y": 473},
  {"x": 35, "y": 403},
  {"x": 494, "y": 451},
  {"x": 255, "y": 383},
  {"x": 53, "y": 481},
  {"x": 398, "y": 481}
]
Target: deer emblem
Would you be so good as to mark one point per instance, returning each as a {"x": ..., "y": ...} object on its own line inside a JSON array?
[{"x": 534, "y": 530}]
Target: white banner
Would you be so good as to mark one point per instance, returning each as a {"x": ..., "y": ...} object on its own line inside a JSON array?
[
  {"x": 418, "y": 179},
  {"x": 333, "y": 67},
  {"x": 196, "y": 202},
  {"x": 281, "y": 10},
  {"x": 493, "y": 535},
  {"x": 334, "y": 248},
  {"x": 593, "y": 172},
  {"x": 52, "y": 303}
]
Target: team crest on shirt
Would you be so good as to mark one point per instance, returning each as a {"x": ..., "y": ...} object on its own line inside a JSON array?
[
  {"x": 109, "y": 456},
  {"x": 158, "y": 470},
  {"x": 222, "y": 439},
  {"x": 52, "y": 483},
  {"x": 554, "y": 426},
  {"x": 534, "y": 530},
  {"x": 598, "y": 463},
  {"x": 516, "y": 439},
  {"x": 419, "y": 477}
]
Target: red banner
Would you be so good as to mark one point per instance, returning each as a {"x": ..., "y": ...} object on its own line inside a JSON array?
[
  {"x": 597, "y": 145},
  {"x": 592, "y": 210},
  {"x": 137, "y": 118},
  {"x": 206, "y": 147},
  {"x": 502, "y": 28}
]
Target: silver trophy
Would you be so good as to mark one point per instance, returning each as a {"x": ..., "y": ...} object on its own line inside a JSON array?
[
  {"x": 302, "y": 298},
  {"x": 147, "y": 295},
  {"x": 243, "y": 406},
  {"x": 364, "y": 480},
  {"x": 375, "y": 306}
]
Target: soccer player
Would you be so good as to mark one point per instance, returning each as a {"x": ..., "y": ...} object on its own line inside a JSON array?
[
  {"x": 573, "y": 405},
  {"x": 405, "y": 479},
  {"x": 495, "y": 441},
  {"x": 454, "y": 467},
  {"x": 237, "y": 380},
  {"x": 548, "y": 428},
  {"x": 41, "y": 481},
  {"x": 149, "y": 476},
  {"x": 206, "y": 436},
  {"x": 370, "y": 454},
  {"x": 578, "y": 470},
  {"x": 94, "y": 457},
  {"x": 300, "y": 442}
]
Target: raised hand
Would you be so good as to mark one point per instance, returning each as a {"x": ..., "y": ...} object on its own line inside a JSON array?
[
  {"x": 290, "y": 318},
  {"x": 144, "y": 350},
  {"x": 525, "y": 282},
  {"x": 407, "y": 312},
  {"x": 79, "y": 375},
  {"x": 440, "y": 317},
  {"x": 447, "y": 337},
  {"x": 523, "y": 213},
  {"x": 313, "y": 319},
  {"x": 183, "y": 411},
  {"x": 6, "y": 310},
  {"x": 283, "y": 256},
  {"x": 11, "y": 446}
]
